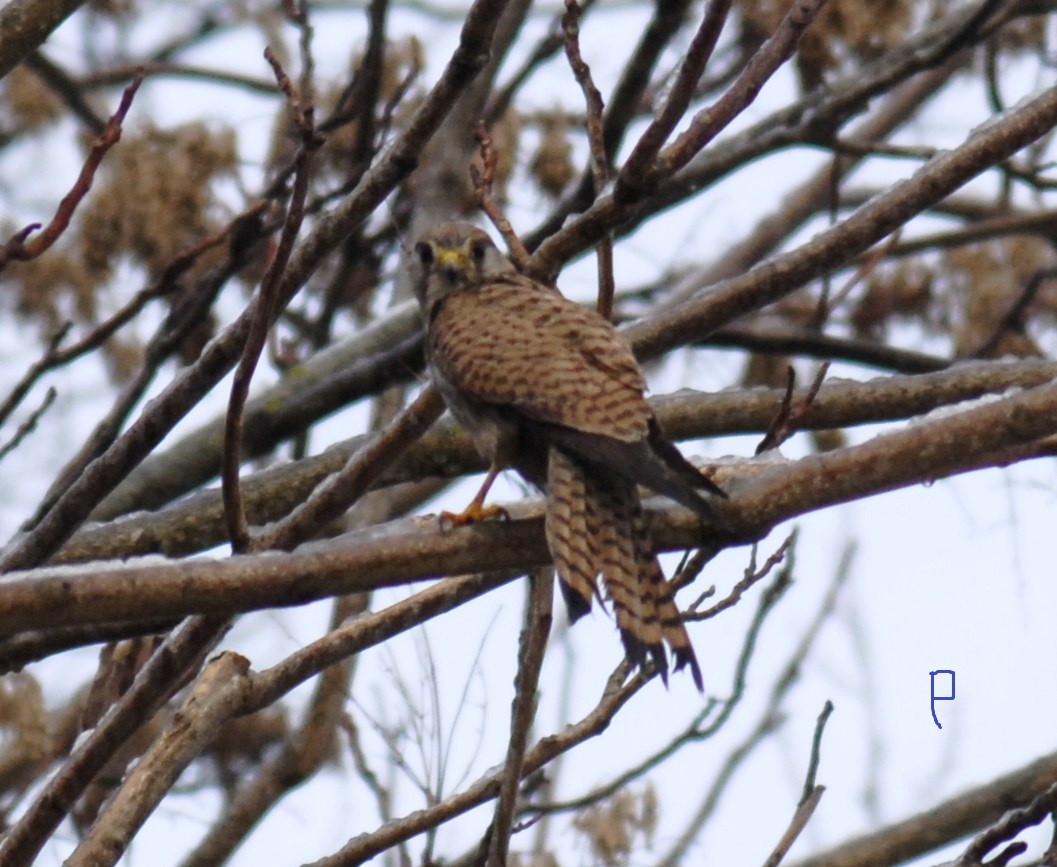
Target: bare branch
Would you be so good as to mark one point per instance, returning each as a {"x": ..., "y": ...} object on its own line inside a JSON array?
[
  {"x": 366, "y": 846},
  {"x": 811, "y": 797},
  {"x": 17, "y": 247},
  {"x": 804, "y": 811},
  {"x": 365, "y": 466},
  {"x": 215, "y": 698},
  {"x": 181, "y": 653},
  {"x": 596, "y": 138},
  {"x": 386, "y": 352},
  {"x": 869, "y": 224},
  {"x": 197, "y": 523},
  {"x": 30, "y": 424},
  {"x": 704, "y": 725},
  {"x": 949, "y": 821},
  {"x": 791, "y": 416},
  {"x": 810, "y": 119},
  {"x": 486, "y": 201},
  {"x": 327, "y": 251},
  {"x": 25, "y": 24},
  {"x": 264, "y": 308},
  {"x": 522, "y": 712},
  {"x": 641, "y": 159}
]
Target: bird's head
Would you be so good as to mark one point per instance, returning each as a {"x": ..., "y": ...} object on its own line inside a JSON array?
[{"x": 454, "y": 257}]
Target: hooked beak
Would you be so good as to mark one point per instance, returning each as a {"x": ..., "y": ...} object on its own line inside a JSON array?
[{"x": 451, "y": 263}]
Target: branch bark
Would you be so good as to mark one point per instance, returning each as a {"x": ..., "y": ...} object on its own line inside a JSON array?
[{"x": 25, "y": 24}]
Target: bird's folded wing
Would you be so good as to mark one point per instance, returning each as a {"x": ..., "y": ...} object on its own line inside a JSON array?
[{"x": 513, "y": 343}]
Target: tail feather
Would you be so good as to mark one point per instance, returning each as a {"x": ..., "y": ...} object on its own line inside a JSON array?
[
  {"x": 659, "y": 590},
  {"x": 568, "y": 535},
  {"x": 676, "y": 461},
  {"x": 635, "y": 618},
  {"x": 595, "y": 524}
]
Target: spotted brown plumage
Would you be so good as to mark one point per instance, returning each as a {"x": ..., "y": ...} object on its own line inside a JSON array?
[{"x": 553, "y": 390}]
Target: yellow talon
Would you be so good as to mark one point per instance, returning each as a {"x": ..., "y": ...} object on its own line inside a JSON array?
[{"x": 475, "y": 513}]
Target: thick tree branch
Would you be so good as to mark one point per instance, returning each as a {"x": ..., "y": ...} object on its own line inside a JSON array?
[
  {"x": 446, "y": 451},
  {"x": 215, "y": 698},
  {"x": 164, "y": 673},
  {"x": 944, "y": 824},
  {"x": 868, "y": 225},
  {"x": 973, "y": 438},
  {"x": 25, "y": 24}
]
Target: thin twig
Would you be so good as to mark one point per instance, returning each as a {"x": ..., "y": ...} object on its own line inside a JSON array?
[
  {"x": 35, "y": 371},
  {"x": 175, "y": 69},
  {"x": 816, "y": 748},
  {"x": 779, "y": 339},
  {"x": 501, "y": 98},
  {"x": 254, "y": 797},
  {"x": 705, "y": 723},
  {"x": 219, "y": 356},
  {"x": 809, "y": 198},
  {"x": 264, "y": 308},
  {"x": 860, "y": 147},
  {"x": 57, "y": 355},
  {"x": 522, "y": 711},
  {"x": 369, "y": 79},
  {"x": 600, "y": 171},
  {"x": 707, "y": 123},
  {"x": 682, "y": 91},
  {"x": 569, "y": 231},
  {"x": 1013, "y": 320},
  {"x": 790, "y": 416},
  {"x": 631, "y": 93},
  {"x": 29, "y": 424},
  {"x": 17, "y": 247},
  {"x": 592, "y": 96},
  {"x": 770, "y": 716},
  {"x": 692, "y": 565},
  {"x": 827, "y": 303},
  {"x": 184, "y": 315},
  {"x": 71, "y": 91},
  {"x": 1011, "y": 824},
  {"x": 483, "y": 180},
  {"x": 365, "y": 846},
  {"x": 801, "y": 817},
  {"x": 751, "y": 577},
  {"x": 343, "y": 488},
  {"x": 811, "y": 796}
]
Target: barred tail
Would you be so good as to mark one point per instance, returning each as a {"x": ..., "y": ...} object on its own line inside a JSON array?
[
  {"x": 595, "y": 525},
  {"x": 634, "y": 611},
  {"x": 656, "y": 587},
  {"x": 569, "y": 535}
]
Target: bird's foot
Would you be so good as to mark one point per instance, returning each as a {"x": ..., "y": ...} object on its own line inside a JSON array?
[{"x": 475, "y": 513}]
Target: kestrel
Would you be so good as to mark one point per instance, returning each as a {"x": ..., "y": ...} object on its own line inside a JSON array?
[{"x": 553, "y": 390}]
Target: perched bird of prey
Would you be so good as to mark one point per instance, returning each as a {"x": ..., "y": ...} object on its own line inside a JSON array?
[{"x": 552, "y": 389}]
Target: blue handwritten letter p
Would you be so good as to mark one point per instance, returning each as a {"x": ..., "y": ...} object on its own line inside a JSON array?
[{"x": 936, "y": 698}]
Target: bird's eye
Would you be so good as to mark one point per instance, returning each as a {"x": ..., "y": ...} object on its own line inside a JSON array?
[
  {"x": 425, "y": 253},
  {"x": 478, "y": 250}
]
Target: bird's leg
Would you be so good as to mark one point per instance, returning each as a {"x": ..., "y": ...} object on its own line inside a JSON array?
[{"x": 477, "y": 511}]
